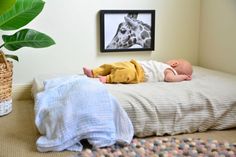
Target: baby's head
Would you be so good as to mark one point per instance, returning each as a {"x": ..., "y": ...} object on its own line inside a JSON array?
[{"x": 181, "y": 66}]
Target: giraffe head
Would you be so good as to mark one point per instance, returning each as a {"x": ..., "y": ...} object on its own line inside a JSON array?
[{"x": 131, "y": 32}]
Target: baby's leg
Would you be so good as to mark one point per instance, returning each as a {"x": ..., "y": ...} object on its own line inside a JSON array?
[
  {"x": 102, "y": 79},
  {"x": 88, "y": 72},
  {"x": 122, "y": 76},
  {"x": 102, "y": 70}
]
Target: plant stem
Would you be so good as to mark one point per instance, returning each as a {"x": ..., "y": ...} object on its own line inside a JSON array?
[{"x": 2, "y": 45}]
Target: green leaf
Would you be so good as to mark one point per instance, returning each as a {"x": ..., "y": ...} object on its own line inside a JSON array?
[
  {"x": 27, "y": 38},
  {"x": 5, "y": 5},
  {"x": 12, "y": 57},
  {"x": 20, "y": 14}
]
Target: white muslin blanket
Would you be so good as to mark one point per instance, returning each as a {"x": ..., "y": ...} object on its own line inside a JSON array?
[{"x": 73, "y": 108}]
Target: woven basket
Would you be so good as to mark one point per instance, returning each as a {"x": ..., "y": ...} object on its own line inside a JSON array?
[{"x": 5, "y": 85}]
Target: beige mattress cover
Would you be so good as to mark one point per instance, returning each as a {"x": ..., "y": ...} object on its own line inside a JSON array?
[{"x": 206, "y": 102}]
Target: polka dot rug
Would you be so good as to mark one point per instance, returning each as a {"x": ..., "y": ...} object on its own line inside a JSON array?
[{"x": 165, "y": 147}]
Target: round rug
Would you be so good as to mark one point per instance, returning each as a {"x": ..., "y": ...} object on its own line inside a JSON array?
[{"x": 165, "y": 147}]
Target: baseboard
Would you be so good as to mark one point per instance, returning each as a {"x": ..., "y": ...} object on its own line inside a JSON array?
[{"x": 21, "y": 91}]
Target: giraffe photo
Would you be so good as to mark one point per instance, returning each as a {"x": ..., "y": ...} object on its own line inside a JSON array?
[{"x": 127, "y": 30}]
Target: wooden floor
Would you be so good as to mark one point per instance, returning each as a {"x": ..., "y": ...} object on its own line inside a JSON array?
[{"x": 18, "y": 134}]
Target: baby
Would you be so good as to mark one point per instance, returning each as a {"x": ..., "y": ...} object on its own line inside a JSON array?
[{"x": 142, "y": 71}]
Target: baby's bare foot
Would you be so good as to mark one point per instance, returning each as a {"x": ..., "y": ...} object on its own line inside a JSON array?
[
  {"x": 102, "y": 79},
  {"x": 88, "y": 72}
]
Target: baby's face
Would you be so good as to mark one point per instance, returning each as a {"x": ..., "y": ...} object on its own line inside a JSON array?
[{"x": 181, "y": 66}]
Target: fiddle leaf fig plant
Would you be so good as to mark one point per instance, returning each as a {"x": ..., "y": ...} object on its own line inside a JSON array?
[
  {"x": 19, "y": 14},
  {"x": 5, "y": 5}
]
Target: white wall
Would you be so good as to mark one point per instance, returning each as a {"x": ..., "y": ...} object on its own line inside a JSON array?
[
  {"x": 218, "y": 35},
  {"x": 75, "y": 27}
]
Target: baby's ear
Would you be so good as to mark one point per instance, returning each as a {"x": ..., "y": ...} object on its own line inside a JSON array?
[{"x": 174, "y": 64}]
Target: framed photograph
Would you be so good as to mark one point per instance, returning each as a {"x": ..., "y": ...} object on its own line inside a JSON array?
[{"x": 127, "y": 30}]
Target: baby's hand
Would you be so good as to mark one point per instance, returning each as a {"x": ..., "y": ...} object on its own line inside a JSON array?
[{"x": 187, "y": 77}]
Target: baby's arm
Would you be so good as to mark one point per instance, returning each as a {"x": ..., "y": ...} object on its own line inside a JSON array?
[{"x": 171, "y": 77}]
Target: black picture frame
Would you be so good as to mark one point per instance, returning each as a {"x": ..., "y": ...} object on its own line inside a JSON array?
[{"x": 127, "y": 30}]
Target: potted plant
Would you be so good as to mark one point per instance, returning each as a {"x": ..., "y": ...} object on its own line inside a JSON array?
[{"x": 14, "y": 14}]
